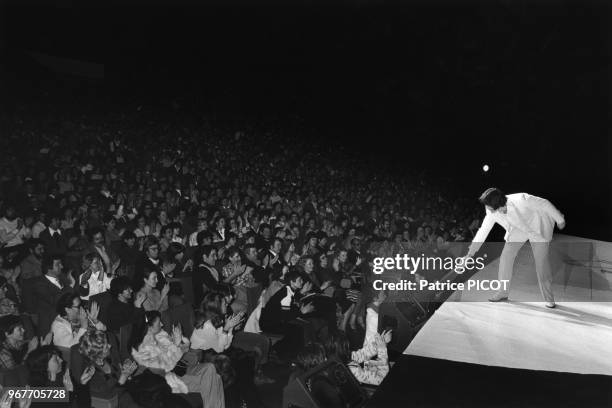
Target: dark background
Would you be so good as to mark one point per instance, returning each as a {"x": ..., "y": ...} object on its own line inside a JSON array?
[{"x": 523, "y": 86}]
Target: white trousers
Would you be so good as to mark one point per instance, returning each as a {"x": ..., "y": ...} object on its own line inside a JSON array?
[{"x": 542, "y": 263}]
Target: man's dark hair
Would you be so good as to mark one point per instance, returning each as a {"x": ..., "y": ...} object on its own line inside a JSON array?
[
  {"x": 206, "y": 251},
  {"x": 494, "y": 198},
  {"x": 8, "y": 324},
  {"x": 127, "y": 235},
  {"x": 65, "y": 302},
  {"x": 202, "y": 235},
  {"x": 48, "y": 261},
  {"x": 118, "y": 285},
  {"x": 291, "y": 276}
]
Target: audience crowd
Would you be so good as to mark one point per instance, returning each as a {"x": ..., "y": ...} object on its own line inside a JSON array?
[{"x": 161, "y": 263}]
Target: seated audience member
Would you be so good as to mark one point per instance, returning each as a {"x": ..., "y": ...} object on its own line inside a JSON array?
[
  {"x": 369, "y": 364},
  {"x": 159, "y": 351},
  {"x": 46, "y": 291},
  {"x": 72, "y": 320},
  {"x": 206, "y": 277},
  {"x": 155, "y": 300},
  {"x": 322, "y": 389},
  {"x": 128, "y": 254},
  {"x": 94, "y": 278},
  {"x": 110, "y": 260},
  {"x": 120, "y": 309},
  {"x": 284, "y": 305},
  {"x": 95, "y": 369},
  {"x": 10, "y": 274},
  {"x": 150, "y": 260},
  {"x": 240, "y": 277},
  {"x": 14, "y": 349},
  {"x": 45, "y": 370},
  {"x": 31, "y": 266},
  {"x": 214, "y": 331},
  {"x": 54, "y": 239}
]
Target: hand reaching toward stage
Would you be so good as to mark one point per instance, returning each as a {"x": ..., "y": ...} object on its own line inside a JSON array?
[
  {"x": 387, "y": 336},
  {"x": 561, "y": 225}
]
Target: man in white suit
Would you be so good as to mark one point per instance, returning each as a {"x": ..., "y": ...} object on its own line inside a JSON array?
[{"x": 525, "y": 217}]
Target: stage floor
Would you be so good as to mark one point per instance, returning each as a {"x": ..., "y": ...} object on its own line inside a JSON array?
[{"x": 575, "y": 337}]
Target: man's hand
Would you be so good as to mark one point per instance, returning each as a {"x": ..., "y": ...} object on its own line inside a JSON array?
[
  {"x": 165, "y": 290},
  {"x": 94, "y": 310},
  {"x": 83, "y": 318},
  {"x": 177, "y": 335},
  {"x": 561, "y": 225},
  {"x": 33, "y": 344},
  {"x": 140, "y": 299},
  {"x": 307, "y": 308},
  {"x": 306, "y": 288}
]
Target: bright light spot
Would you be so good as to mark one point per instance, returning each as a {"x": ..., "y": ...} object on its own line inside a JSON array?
[{"x": 485, "y": 168}]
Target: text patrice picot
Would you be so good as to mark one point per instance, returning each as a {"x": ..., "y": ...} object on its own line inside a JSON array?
[{"x": 420, "y": 264}]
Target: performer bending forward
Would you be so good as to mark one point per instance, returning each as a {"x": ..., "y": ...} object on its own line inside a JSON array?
[{"x": 525, "y": 217}]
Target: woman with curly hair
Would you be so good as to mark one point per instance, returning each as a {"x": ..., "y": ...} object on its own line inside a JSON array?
[
  {"x": 160, "y": 352},
  {"x": 95, "y": 368}
]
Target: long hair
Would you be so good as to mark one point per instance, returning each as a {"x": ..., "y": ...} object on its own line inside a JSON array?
[
  {"x": 38, "y": 363},
  {"x": 140, "y": 328},
  {"x": 210, "y": 309},
  {"x": 337, "y": 346}
]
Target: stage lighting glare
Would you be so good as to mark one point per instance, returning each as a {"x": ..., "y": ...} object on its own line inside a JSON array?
[{"x": 485, "y": 168}]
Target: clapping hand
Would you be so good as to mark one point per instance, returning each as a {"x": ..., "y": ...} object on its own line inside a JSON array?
[
  {"x": 306, "y": 288},
  {"x": 83, "y": 318},
  {"x": 387, "y": 336},
  {"x": 307, "y": 308},
  {"x": 233, "y": 321},
  {"x": 177, "y": 335},
  {"x": 128, "y": 367},
  {"x": 94, "y": 310},
  {"x": 33, "y": 344},
  {"x": 87, "y": 374},
  {"x": 140, "y": 299},
  {"x": 165, "y": 290},
  {"x": 45, "y": 341}
]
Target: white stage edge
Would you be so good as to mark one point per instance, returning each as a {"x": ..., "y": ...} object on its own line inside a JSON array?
[{"x": 575, "y": 337}]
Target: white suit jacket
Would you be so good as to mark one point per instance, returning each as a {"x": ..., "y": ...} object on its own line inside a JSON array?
[{"x": 528, "y": 217}]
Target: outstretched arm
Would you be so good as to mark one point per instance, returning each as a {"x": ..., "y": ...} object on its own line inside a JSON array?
[{"x": 482, "y": 234}]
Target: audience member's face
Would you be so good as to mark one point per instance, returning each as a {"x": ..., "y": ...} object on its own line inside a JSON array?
[
  {"x": 16, "y": 335},
  {"x": 156, "y": 326},
  {"x": 342, "y": 256},
  {"x": 153, "y": 251},
  {"x": 323, "y": 261},
  {"x": 308, "y": 266},
  {"x": 72, "y": 313},
  {"x": 297, "y": 283},
  {"x": 130, "y": 242},
  {"x": 151, "y": 280},
  {"x": 39, "y": 251},
  {"x": 251, "y": 254},
  {"x": 277, "y": 246},
  {"x": 126, "y": 294},
  {"x": 266, "y": 233},
  {"x": 235, "y": 259},
  {"x": 211, "y": 259},
  {"x": 54, "y": 366},
  {"x": 10, "y": 213},
  {"x": 98, "y": 239},
  {"x": 313, "y": 241},
  {"x": 57, "y": 268}
]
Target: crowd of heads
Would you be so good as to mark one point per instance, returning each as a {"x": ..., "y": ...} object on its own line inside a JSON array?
[{"x": 203, "y": 192}]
